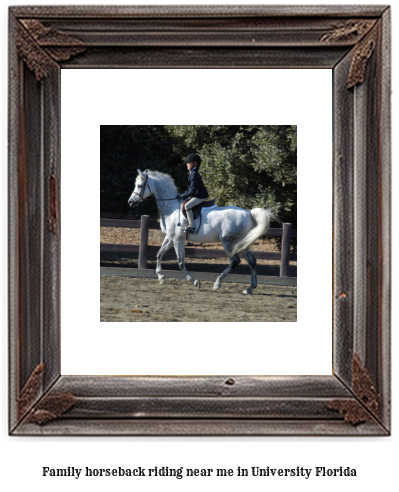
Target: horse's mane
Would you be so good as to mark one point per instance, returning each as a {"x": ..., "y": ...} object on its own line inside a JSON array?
[{"x": 168, "y": 185}]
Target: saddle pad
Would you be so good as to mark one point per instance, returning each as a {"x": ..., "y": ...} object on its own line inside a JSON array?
[{"x": 198, "y": 208}]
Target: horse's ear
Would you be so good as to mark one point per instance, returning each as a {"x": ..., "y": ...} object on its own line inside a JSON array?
[{"x": 142, "y": 174}]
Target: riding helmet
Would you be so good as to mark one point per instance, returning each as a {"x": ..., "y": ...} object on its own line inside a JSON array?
[{"x": 194, "y": 158}]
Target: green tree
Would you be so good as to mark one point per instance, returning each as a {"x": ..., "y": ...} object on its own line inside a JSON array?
[{"x": 249, "y": 166}]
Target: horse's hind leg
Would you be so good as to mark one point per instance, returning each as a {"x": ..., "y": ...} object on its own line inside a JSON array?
[
  {"x": 167, "y": 243},
  {"x": 252, "y": 265},
  {"x": 234, "y": 261}
]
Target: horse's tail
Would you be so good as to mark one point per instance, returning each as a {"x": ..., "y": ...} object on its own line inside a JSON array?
[{"x": 262, "y": 218}]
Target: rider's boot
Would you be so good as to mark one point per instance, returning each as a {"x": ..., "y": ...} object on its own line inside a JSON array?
[{"x": 190, "y": 221}]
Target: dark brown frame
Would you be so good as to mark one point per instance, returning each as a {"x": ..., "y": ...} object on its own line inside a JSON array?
[{"x": 353, "y": 41}]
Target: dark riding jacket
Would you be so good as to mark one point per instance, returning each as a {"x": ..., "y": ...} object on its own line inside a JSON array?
[{"x": 196, "y": 186}]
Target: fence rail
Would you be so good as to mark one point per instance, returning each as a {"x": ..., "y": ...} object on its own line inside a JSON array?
[{"x": 144, "y": 249}]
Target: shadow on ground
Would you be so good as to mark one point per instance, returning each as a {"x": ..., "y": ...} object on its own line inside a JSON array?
[{"x": 130, "y": 260}]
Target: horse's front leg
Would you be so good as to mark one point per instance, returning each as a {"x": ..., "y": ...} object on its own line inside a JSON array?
[
  {"x": 166, "y": 245},
  {"x": 179, "y": 248}
]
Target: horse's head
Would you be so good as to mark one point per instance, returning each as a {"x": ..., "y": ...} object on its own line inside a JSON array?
[{"x": 141, "y": 190}]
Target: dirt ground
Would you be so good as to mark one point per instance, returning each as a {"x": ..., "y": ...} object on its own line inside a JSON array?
[
  {"x": 138, "y": 300},
  {"x": 145, "y": 300}
]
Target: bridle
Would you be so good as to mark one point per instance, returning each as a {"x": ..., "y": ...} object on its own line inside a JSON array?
[{"x": 141, "y": 194}]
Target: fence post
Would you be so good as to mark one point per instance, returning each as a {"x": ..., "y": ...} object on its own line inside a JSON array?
[
  {"x": 143, "y": 251},
  {"x": 285, "y": 249}
]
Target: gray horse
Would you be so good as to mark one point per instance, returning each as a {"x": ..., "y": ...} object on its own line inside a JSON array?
[{"x": 236, "y": 228}]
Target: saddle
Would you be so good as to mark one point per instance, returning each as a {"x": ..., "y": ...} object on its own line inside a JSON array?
[{"x": 197, "y": 209}]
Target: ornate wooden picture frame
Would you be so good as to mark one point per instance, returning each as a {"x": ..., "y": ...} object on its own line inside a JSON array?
[{"x": 352, "y": 41}]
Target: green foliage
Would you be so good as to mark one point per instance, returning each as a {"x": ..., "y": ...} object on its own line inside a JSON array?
[{"x": 248, "y": 166}]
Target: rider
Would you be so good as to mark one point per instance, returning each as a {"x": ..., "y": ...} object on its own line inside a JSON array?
[{"x": 196, "y": 192}]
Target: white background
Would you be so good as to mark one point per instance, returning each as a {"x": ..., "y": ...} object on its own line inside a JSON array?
[
  {"x": 22, "y": 458},
  {"x": 215, "y": 97}
]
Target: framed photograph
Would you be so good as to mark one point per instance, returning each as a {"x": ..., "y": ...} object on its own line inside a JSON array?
[{"x": 352, "y": 44}]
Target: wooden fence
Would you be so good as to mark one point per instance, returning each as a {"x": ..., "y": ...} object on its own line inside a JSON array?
[{"x": 143, "y": 249}]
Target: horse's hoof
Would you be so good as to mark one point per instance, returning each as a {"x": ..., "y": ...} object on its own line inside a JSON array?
[
  {"x": 247, "y": 291},
  {"x": 197, "y": 283},
  {"x": 216, "y": 286},
  {"x": 161, "y": 280}
]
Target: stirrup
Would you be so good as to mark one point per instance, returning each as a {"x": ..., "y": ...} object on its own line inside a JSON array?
[{"x": 189, "y": 230}]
